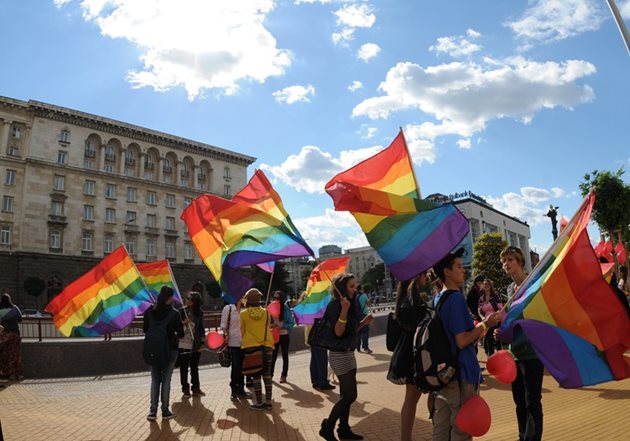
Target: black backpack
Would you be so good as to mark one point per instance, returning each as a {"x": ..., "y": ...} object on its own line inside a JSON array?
[
  {"x": 434, "y": 363},
  {"x": 156, "y": 349}
]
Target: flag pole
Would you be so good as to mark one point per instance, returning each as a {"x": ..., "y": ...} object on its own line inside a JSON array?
[
  {"x": 620, "y": 23},
  {"x": 269, "y": 287}
]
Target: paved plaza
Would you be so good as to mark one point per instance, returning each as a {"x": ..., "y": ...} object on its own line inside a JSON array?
[{"x": 115, "y": 408}]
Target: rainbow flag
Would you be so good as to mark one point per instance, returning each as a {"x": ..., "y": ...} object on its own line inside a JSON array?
[
  {"x": 410, "y": 234},
  {"x": 318, "y": 289},
  {"x": 252, "y": 229},
  {"x": 104, "y": 300},
  {"x": 158, "y": 274},
  {"x": 569, "y": 314}
]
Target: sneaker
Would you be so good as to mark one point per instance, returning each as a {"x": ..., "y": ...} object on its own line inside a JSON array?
[
  {"x": 327, "y": 432},
  {"x": 243, "y": 394},
  {"x": 152, "y": 416},
  {"x": 186, "y": 393},
  {"x": 268, "y": 406},
  {"x": 258, "y": 407},
  {"x": 368, "y": 351},
  {"x": 326, "y": 387},
  {"x": 347, "y": 433},
  {"x": 199, "y": 393},
  {"x": 233, "y": 396},
  {"x": 283, "y": 379},
  {"x": 249, "y": 384},
  {"x": 167, "y": 415}
]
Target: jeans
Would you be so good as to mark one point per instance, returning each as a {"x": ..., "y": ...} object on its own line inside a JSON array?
[
  {"x": 237, "y": 382},
  {"x": 186, "y": 359},
  {"x": 319, "y": 366},
  {"x": 364, "y": 335},
  {"x": 162, "y": 377},
  {"x": 446, "y": 404},
  {"x": 527, "y": 394},
  {"x": 283, "y": 345}
]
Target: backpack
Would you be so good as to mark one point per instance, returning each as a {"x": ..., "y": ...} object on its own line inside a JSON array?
[
  {"x": 156, "y": 350},
  {"x": 434, "y": 363}
]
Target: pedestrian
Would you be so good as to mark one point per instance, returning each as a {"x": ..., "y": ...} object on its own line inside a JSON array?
[
  {"x": 256, "y": 332},
  {"x": 489, "y": 303},
  {"x": 10, "y": 340},
  {"x": 231, "y": 326},
  {"x": 285, "y": 323},
  {"x": 342, "y": 314},
  {"x": 472, "y": 297},
  {"x": 363, "y": 304},
  {"x": 462, "y": 335},
  {"x": 190, "y": 345},
  {"x": 156, "y": 318},
  {"x": 409, "y": 311},
  {"x": 527, "y": 388}
]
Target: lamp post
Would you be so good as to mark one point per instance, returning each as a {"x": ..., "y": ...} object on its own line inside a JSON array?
[
  {"x": 553, "y": 215},
  {"x": 620, "y": 23}
]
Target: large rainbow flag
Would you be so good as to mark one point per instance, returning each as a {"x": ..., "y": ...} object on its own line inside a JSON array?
[
  {"x": 156, "y": 275},
  {"x": 318, "y": 289},
  {"x": 252, "y": 229},
  {"x": 410, "y": 234},
  {"x": 104, "y": 300},
  {"x": 569, "y": 314}
]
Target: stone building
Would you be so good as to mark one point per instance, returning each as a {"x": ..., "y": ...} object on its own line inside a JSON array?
[{"x": 75, "y": 186}]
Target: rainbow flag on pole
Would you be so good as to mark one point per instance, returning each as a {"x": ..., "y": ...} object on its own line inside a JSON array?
[
  {"x": 104, "y": 300},
  {"x": 569, "y": 314},
  {"x": 158, "y": 274},
  {"x": 318, "y": 289},
  {"x": 410, "y": 234},
  {"x": 251, "y": 229}
]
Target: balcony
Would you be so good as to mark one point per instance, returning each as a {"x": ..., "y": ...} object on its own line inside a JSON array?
[
  {"x": 151, "y": 231},
  {"x": 130, "y": 161},
  {"x": 201, "y": 177},
  {"x": 90, "y": 153},
  {"x": 149, "y": 165},
  {"x": 110, "y": 157},
  {"x": 167, "y": 169},
  {"x": 57, "y": 219},
  {"x": 185, "y": 173}
]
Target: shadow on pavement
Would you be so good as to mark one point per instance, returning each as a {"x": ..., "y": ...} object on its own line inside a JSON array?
[
  {"x": 192, "y": 413},
  {"x": 265, "y": 424},
  {"x": 302, "y": 397}
]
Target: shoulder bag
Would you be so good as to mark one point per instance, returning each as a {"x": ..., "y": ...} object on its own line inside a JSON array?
[
  {"x": 253, "y": 358},
  {"x": 223, "y": 353}
]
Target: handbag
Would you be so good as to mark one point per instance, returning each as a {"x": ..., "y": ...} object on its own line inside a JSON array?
[
  {"x": 394, "y": 332},
  {"x": 323, "y": 335},
  {"x": 253, "y": 358}
]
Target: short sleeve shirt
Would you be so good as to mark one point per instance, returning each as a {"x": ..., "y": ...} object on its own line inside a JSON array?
[{"x": 456, "y": 319}]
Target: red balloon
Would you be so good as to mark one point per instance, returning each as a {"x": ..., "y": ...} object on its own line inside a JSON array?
[
  {"x": 215, "y": 340},
  {"x": 274, "y": 309},
  {"x": 275, "y": 333},
  {"x": 474, "y": 416},
  {"x": 501, "y": 364}
]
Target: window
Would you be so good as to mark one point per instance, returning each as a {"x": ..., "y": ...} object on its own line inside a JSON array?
[
  {"x": 132, "y": 194},
  {"x": 110, "y": 216},
  {"x": 166, "y": 168},
  {"x": 16, "y": 132},
  {"x": 188, "y": 251},
  {"x": 5, "y": 235},
  {"x": 88, "y": 212},
  {"x": 110, "y": 191},
  {"x": 151, "y": 220},
  {"x": 108, "y": 243},
  {"x": 151, "y": 198},
  {"x": 55, "y": 239},
  {"x": 90, "y": 150},
  {"x": 227, "y": 191},
  {"x": 10, "y": 177},
  {"x": 131, "y": 217},
  {"x": 170, "y": 223},
  {"x": 109, "y": 168},
  {"x": 170, "y": 249},
  {"x": 12, "y": 151},
  {"x": 187, "y": 202},
  {"x": 61, "y": 157},
  {"x": 170, "y": 201},
  {"x": 88, "y": 188},
  {"x": 87, "y": 241},
  {"x": 110, "y": 155},
  {"x": 88, "y": 163},
  {"x": 227, "y": 173},
  {"x": 129, "y": 159},
  {"x": 56, "y": 208},
  {"x": 64, "y": 136},
  {"x": 130, "y": 244},
  {"x": 150, "y": 247},
  {"x": 59, "y": 182},
  {"x": 7, "y": 204}
]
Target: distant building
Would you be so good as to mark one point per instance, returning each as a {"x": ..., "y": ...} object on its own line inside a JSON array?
[
  {"x": 296, "y": 266},
  {"x": 361, "y": 260},
  {"x": 327, "y": 251},
  {"x": 484, "y": 218},
  {"x": 534, "y": 257}
]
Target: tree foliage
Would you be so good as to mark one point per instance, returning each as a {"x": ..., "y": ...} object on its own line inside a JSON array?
[
  {"x": 280, "y": 280},
  {"x": 34, "y": 286},
  {"x": 374, "y": 276},
  {"x": 487, "y": 260}
]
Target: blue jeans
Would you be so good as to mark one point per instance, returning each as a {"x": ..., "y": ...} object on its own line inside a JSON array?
[
  {"x": 319, "y": 366},
  {"x": 162, "y": 377},
  {"x": 364, "y": 336}
]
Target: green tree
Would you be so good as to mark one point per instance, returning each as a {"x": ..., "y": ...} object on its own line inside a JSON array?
[
  {"x": 487, "y": 260},
  {"x": 34, "y": 286},
  {"x": 280, "y": 280},
  {"x": 306, "y": 272},
  {"x": 374, "y": 276},
  {"x": 611, "y": 211}
]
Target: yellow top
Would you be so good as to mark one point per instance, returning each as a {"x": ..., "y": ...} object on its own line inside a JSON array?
[{"x": 253, "y": 321}]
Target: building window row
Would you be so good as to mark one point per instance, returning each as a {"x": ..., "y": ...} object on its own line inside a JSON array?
[
  {"x": 5, "y": 234},
  {"x": 130, "y": 241}
]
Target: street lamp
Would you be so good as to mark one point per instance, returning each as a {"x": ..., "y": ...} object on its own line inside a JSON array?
[
  {"x": 553, "y": 215},
  {"x": 620, "y": 23}
]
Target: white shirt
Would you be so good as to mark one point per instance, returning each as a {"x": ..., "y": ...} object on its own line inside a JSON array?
[{"x": 234, "y": 333}]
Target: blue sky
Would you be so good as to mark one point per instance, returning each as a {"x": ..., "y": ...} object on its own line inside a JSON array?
[{"x": 512, "y": 100}]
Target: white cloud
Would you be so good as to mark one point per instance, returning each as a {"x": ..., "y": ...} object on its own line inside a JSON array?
[
  {"x": 310, "y": 169},
  {"x": 527, "y": 205},
  {"x": 198, "y": 44},
  {"x": 323, "y": 2},
  {"x": 367, "y": 132},
  {"x": 349, "y": 18},
  {"x": 332, "y": 227},
  {"x": 60, "y": 3},
  {"x": 553, "y": 20},
  {"x": 464, "y": 144},
  {"x": 624, "y": 8},
  {"x": 368, "y": 51},
  {"x": 356, "y": 85},
  {"x": 464, "y": 96},
  {"x": 457, "y": 46},
  {"x": 294, "y": 94}
]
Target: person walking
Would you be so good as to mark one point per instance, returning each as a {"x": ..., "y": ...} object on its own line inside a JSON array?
[
  {"x": 231, "y": 326},
  {"x": 256, "y": 332},
  {"x": 363, "y": 304},
  {"x": 160, "y": 316},
  {"x": 285, "y": 323},
  {"x": 190, "y": 345},
  {"x": 489, "y": 303},
  {"x": 341, "y": 313},
  {"x": 10, "y": 340}
]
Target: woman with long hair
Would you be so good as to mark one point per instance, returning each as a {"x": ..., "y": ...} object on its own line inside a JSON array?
[
  {"x": 162, "y": 313},
  {"x": 342, "y": 313},
  {"x": 11, "y": 342},
  {"x": 489, "y": 303},
  {"x": 189, "y": 346}
]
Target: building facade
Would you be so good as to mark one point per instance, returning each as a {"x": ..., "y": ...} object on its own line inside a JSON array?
[
  {"x": 75, "y": 186},
  {"x": 363, "y": 259},
  {"x": 328, "y": 251}
]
